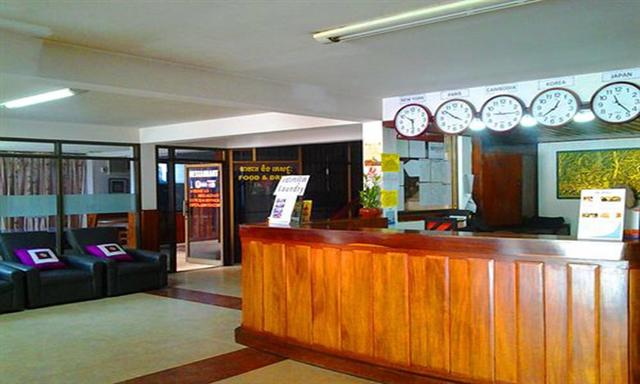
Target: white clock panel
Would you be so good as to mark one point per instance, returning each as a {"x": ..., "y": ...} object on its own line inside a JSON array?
[
  {"x": 454, "y": 116},
  {"x": 555, "y": 107},
  {"x": 412, "y": 120},
  {"x": 616, "y": 102},
  {"x": 502, "y": 113}
]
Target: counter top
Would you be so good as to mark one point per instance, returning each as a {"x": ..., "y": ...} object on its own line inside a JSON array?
[{"x": 481, "y": 245}]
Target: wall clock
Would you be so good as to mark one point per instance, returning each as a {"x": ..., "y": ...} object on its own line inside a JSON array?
[
  {"x": 502, "y": 113},
  {"x": 554, "y": 107},
  {"x": 412, "y": 120},
  {"x": 454, "y": 116},
  {"x": 616, "y": 102}
]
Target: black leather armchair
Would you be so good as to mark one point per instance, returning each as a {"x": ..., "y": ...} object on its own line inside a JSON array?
[
  {"x": 148, "y": 270},
  {"x": 12, "y": 292},
  {"x": 82, "y": 280}
]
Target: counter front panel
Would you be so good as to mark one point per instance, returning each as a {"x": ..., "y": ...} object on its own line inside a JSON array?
[{"x": 447, "y": 310}]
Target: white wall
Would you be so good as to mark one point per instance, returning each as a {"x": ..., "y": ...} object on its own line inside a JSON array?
[
  {"x": 48, "y": 130},
  {"x": 548, "y": 204}
]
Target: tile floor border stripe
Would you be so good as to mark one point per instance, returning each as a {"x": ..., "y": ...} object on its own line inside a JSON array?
[
  {"x": 231, "y": 302},
  {"x": 212, "y": 369}
]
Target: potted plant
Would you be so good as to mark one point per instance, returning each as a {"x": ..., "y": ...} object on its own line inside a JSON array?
[{"x": 370, "y": 195}]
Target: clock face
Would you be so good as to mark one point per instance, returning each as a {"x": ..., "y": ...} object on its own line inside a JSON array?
[
  {"x": 617, "y": 102},
  {"x": 412, "y": 120},
  {"x": 454, "y": 116},
  {"x": 555, "y": 107},
  {"x": 502, "y": 113}
]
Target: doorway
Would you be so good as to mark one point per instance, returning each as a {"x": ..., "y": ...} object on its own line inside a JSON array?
[
  {"x": 193, "y": 241},
  {"x": 202, "y": 211}
]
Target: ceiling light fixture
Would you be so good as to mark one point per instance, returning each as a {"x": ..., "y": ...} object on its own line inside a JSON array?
[
  {"x": 40, "y": 98},
  {"x": 418, "y": 17},
  {"x": 584, "y": 116}
]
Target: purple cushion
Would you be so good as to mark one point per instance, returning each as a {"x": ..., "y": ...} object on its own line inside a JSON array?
[
  {"x": 40, "y": 258},
  {"x": 111, "y": 251}
]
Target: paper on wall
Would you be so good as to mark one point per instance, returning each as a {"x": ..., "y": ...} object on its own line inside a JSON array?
[
  {"x": 391, "y": 180},
  {"x": 435, "y": 194},
  {"x": 425, "y": 170},
  {"x": 412, "y": 167},
  {"x": 390, "y": 162},
  {"x": 402, "y": 147},
  {"x": 389, "y": 141},
  {"x": 417, "y": 149},
  {"x": 436, "y": 150},
  {"x": 389, "y": 198},
  {"x": 440, "y": 171}
]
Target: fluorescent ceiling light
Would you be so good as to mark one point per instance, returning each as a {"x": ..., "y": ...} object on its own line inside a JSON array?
[
  {"x": 423, "y": 16},
  {"x": 584, "y": 116},
  {"x": 40, "y": 98}
]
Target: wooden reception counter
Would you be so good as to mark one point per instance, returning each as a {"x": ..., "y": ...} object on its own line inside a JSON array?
[{"x": 410, "y": 306}]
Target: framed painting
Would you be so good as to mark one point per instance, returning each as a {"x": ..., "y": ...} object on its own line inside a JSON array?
[{"x": 597, "y": 169}]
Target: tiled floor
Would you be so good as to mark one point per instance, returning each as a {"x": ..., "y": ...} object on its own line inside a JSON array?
[{"x": 120, "y": 338}]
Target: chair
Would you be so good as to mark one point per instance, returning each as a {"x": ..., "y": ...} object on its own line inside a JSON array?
[
  {"x": 81, "y": 280},
  {"x": 148, "y": 270},
  {"x": 11, "y": 289}
]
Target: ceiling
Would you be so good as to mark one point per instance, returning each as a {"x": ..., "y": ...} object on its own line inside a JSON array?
[
  {"x": 272, "y": 40},
  {"x": 104, "y": 108}
]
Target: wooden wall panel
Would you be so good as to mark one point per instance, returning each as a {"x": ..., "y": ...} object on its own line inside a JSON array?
[
  {"x": 356, "y": 302},
  {"x": 584, "y": 324},
  {"x": 506, "y": 327},
  {"x": 613, "y": 326},
  {"x": 325, "y": 280},
  {"x": 531, "y": 358},
  {"x": 391, "y": 308},
  {"x": 556, "y": 323},
  {"x": 460, "y": 317},
  {"x": 298, "y": 283},
  {"x": 429, "y": 311},
  {"x": 482, "y": 346},
  {"x": 274, "y": 293},
  {"x": 252, "y": 286}
]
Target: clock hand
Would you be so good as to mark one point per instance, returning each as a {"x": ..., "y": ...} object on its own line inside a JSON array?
[
  {"x": 504, "y": 113},
  {"x": 452, "y": 115},
  {"x": 552, "y": 109},
  {"x": 620, "y": 104}
]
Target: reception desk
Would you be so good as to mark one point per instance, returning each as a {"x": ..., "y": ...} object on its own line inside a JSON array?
[{"x": 410, "y": 306}]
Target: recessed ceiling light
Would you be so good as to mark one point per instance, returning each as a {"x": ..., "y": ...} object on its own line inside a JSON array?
[
  {"x": 423, "y": 16},
  {"x": 40, "y": 98}
]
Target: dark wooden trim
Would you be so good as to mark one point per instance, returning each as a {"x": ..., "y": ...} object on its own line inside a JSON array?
[
  {"x": 225, "y": 301},
  {"x": 212, "y": 369},
  {"x": 485, "y": 245},
  {"x": 333, "y": 362}
]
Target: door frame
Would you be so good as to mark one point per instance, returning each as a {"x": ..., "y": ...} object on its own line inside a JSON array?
[
  {"x": 171, "y": 160},
  {"x": 186, "y": 211}
]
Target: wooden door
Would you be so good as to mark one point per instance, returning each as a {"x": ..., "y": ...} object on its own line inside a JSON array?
[{"x": 502, "y": 189}]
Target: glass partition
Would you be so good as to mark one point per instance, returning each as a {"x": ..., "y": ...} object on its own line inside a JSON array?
[
  {"x": 28, "y": 187},
  {"x": 97, "y": 193},
  {"x": 50, "y": 185}
]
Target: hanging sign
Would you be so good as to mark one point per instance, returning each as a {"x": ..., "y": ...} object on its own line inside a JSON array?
[
  {"x": 601, "y": 214},
  {"x": 204, "y": 188}
]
